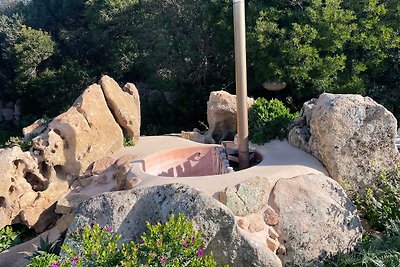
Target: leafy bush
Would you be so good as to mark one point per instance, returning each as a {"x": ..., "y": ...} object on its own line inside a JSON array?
[
  {"x": 269, "y": 120},
  {"x": 43, "y": 259},
  {"x": 380, "y": 206},
  {"x": 8, "y": 238},
  {"x": 381, "y": 202},
  {"x": 174, "y": 244},
  {"x": 373, "y": 251},
  {"x": 92, "y": 246}
]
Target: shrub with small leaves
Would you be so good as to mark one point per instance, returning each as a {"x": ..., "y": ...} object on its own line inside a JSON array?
[
  {"x": 381, "y": 201},
  {"x": 380, "y": 206},
  {"x": 174, "y": 244},
  {"x": 269, "y": 120},
  {"x": 373, "y": 251},
  {"x": 92, "y": 246},
  {"x": 8, "y": 238},
  {"x": 43, "y": 259}
]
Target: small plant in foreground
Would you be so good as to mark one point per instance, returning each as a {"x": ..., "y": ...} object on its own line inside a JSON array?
[
  {"x": 175, "y": 244},
  {"x": 92, "y": 246},
  {"x": 380, "y": 205},
  {"x": 128, "y": 142},
  {"x": 43, "y": 259},
  {"x": 8, "y": 238},
  {"x": 381, "y": 202},
  {"x": 373, "y": 251},
  {"x": 269, "y": 120}
]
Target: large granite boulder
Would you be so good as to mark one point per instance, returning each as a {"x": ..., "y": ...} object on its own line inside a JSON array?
[
  {"x": 62, "y": 150},
  {"x": 124, "y": 104},
  {"x": 316, "y": 219},
  {"x": 353, "y": 136},
  {"x": 303, "y": 220},
  {"x": 221, "y": 115},
  {"x": 27, "y": 194},
  {"x": 128, "y": 211},
  {"x": 76, "y": 138}
]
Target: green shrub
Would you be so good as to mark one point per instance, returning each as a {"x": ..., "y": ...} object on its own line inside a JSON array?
[
  {"x": 43, "y": 259},
  {"x": 381, "y": 202},
  {"x": 92, "y": 246},
  {"x": 380, "y": 206},
  {"x": 174, "y": 244},
  {"x": 373, "y": 251},
  {"x": 8, "y": 238},
  {"x": 269, "y": 120}
]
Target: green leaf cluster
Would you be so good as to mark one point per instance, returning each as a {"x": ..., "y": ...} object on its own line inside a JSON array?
[
  {"x": 8, "y": 238},
  {"x": 176, "y": 244},
  {"x": 269, "y": 120},
  {"x": 381, "y": 202}
]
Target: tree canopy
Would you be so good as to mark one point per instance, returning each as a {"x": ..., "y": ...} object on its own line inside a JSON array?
[{"x": 52, "y": 49}]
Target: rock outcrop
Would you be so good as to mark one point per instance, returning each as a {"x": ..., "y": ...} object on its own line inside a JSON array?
[
  {"x": 33, "y": 130},
  {"x": 316, "y": 219},
  {"x": 83, "y": 134},
  {"x": 27, "y": 194},
  {"x": 303, "y": 220},
  {"x": 124, "y": 104},
  {"x": 247, "y": 197},
  {"x": 104, "y": 175},
  {"x": 221, "y": 115},
  {"x": 34, "y": 181},
  {"x": 128, "y": 211},
  {"x": 353, "y": 136}
]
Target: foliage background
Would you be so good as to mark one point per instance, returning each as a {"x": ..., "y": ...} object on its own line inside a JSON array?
[{"x": 52, "y": 49}]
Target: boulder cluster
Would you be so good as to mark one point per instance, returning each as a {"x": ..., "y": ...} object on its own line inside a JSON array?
[
  {"x": 353, "y": 136},
  {"x": 92, "y": 128},
  {"x": 71, "y": 169}
]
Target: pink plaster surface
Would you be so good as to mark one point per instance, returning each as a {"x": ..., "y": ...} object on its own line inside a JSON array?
[
  {"x": 280, "y": 160},
  {"x": 182, "y": 162}
]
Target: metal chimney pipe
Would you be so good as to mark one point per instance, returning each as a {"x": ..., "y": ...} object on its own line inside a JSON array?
[{"x": 241, "y": 82}]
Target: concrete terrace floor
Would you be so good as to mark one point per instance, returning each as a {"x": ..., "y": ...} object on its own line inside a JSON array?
[{"x": 280, "y": 160}]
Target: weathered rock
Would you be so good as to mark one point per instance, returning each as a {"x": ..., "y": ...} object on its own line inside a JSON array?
[
  {"x": 299, "y": 136},
  {"x": 124, "y": 104},
  {"x": 33, "y": 130},
  {"x": 27, "y": 193},
  {"x": 196, "y": 136},
  {"x": 104, "y": 175},
  {"x": 128, "y": 211},
  {"x": 316, "y": 219},
  {"x": 353, "y": 136},
  {"x": 270, "y": 216},
  {"x": 256, "y": 223},
  {"x": 83, "y": 134},
  {"x": 247, "y": 197},
  {"x": 221, "y": 115}
]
